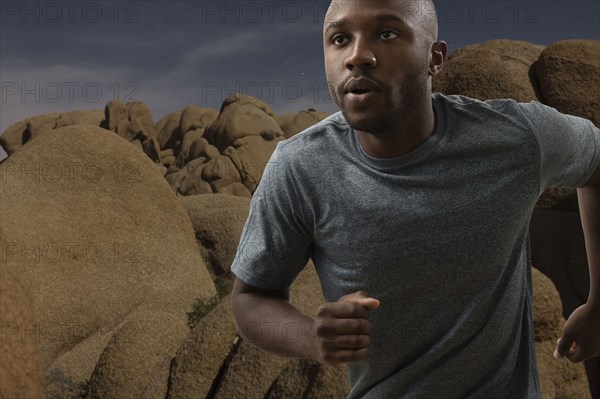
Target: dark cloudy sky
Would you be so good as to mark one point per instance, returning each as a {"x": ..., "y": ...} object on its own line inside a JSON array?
[{"x": 66, "y": 55}]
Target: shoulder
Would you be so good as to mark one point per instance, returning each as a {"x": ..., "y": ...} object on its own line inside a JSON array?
[
  {"x": 505, "y": 106},
  {"x": 317, "y": 139},
  {"x": 505, "y": 113}
]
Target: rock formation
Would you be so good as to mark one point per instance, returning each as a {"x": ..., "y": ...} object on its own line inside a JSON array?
[
  {"x": 102, "y": 240},
  {"x": 129, "y": 285}
]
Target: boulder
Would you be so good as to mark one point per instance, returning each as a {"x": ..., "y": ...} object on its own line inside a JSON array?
[
  {"x": 200, "y": 358},
  {"x": 194, "y": 117},
  {"x": 494, "y": 69},
  {"x": 100, "y": 236},
  {"x": 569, "y": 76},
  {"x": 136, "y": 361},
  {"x": 246, "y": 132},
  {"x": 21, "y": 132},
  {"x": 560, "y": 199},
  {"x": 242, "y": 116},
  {"x": 218, "y": 220},
  {"x": 295, "y": 123},
  {"x": 20, "y": 360},
  {"x": 166, "y": 127}
]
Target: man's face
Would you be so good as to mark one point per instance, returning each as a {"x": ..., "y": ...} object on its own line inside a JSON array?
[{"x": 377, "y": 55}]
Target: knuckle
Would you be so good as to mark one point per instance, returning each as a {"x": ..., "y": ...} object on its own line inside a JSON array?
[
  {"x": 324, "y": 329},
  {"x": 323, "y": 310}
]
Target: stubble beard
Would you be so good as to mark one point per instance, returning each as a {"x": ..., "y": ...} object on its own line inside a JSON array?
[{"x": 400, "y": 101}]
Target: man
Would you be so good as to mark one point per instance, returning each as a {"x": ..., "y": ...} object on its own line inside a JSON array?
[{"x": 415, "y": 209}]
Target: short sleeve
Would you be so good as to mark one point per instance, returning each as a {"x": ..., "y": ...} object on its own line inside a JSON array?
[
  {"x": 274, "y": 246},
  {"x": 569, "y": 146}
]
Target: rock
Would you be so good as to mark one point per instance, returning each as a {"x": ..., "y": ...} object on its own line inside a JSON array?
[
  {"x": 138, "y": 353},
  {"x": 21, "y": 132},
  {"x": 191, "y": 182},
  {"x": 99, "y": 235},
  {"x": 13, "y": 138},
  {"x": 218, "y": 220},
  {"x": 92, "y": 117},
  {"x": 560, "y": 199},
  {"x": 194, "y": 117},
  {"x": 20, "y": 360},
  {"x": 310, "y": 380},
  {"x": 569, "y": 75},
  {"x": 186, "y": 145},
  {"x": 197, "y": 148},
  {"x": 251, "y": 154},
  {"x": 200, "y": 358},
  {"x": 115, "y": 111},
  {"x": 242, "y": 116},
  {"x": 301, "y": 121},
  {"x": 237, "y": 189},
  {"x": 249, "y": 373},
  {"x": 141, "y": 118},
  {"x": 494, "y": 69},
  {"x": 132, "y": 120},
  {"x": 166, "y": 128}
]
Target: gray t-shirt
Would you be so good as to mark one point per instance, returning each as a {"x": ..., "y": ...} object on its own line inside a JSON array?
[{"x": 439, "y": 236}]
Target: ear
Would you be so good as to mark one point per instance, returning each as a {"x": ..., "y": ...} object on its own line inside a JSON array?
[{"x": 439, "y": 50}]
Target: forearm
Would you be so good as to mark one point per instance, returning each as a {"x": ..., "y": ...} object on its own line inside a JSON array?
[
  {"x": 273, "y": 325},
  {"x": 589, "y": 207}
]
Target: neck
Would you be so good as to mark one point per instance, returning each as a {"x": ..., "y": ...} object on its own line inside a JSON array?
[{"x": 404, "y": 136}]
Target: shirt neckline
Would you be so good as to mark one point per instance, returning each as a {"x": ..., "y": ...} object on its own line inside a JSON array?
[{"x": 413, "y": 156}]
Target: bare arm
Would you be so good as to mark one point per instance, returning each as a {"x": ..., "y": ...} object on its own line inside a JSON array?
[
  {"x": 581, "y": 335},
  {"x": 338, "y": 334},
  {"x": 268, "y": 320}
]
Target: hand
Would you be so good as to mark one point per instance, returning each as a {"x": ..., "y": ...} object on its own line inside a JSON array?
[
  {"x": 341, "y": 329},
  {"x": 580, "y": 339}
]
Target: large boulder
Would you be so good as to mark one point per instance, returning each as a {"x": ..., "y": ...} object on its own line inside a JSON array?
[
  {"x": 21, "y": 132},
  {"x": 136, "y": 362},
  {"x": 494, "y": 69},
  {"x": 20, "y": 360},
  {"x": 218, "y": 220},
  {"x": 569, "y": 77},
  {"x": 100, "y": 237},
  {"x": 200, "y": 358}
]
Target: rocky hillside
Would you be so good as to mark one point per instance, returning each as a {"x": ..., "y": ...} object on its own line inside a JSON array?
[{"x": 115, "y": 262}]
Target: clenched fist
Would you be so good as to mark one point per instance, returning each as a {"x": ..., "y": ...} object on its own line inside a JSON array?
[{"x": 341, "y": 329}]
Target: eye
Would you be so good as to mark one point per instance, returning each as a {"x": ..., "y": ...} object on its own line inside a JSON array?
[
  {"x": 388, "y": 35},
  {"x": 339, "y": 39}
]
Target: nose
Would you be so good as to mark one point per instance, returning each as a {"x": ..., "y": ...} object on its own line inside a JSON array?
[{"x": 361, "y": 56}]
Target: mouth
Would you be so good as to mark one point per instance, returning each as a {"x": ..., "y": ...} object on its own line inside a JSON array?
[
  {"x": 360, "y": 86},
  {"x": 361, "y": 91}
]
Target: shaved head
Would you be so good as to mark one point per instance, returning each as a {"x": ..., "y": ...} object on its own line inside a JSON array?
[
  {"x": 392, "y": 45},
  {"x": 420, "y": 14}
]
